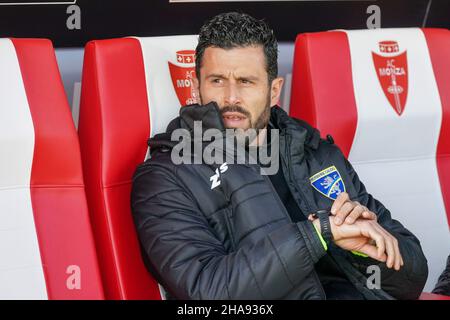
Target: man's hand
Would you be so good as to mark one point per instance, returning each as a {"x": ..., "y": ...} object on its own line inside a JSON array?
[
  {"x": 368, "y": 237},
  {"x": 349, "y": 211}
]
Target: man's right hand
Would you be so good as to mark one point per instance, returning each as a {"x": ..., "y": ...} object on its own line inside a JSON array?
[{"x": 368, "y": 237}]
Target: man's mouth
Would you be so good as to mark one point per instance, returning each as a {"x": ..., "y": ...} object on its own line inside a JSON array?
[{"x": 234, "y": 119}]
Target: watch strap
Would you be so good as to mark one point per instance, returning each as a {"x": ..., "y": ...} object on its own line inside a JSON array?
[{"x": 325, "y": 227}]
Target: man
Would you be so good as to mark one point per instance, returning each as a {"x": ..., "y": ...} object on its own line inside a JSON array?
[
  {"x": 220, "y": 231},
  {"x": 443, "y": 284}
]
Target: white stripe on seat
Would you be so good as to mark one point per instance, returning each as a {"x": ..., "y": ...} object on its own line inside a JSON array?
[
  {"x": 21, "y": 273},
  {"x": 162, "y": 99},
  {"x": 395, "y": 156}
]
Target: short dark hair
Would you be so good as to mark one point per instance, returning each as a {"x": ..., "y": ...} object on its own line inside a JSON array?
[{"x": 233, "y": 29}]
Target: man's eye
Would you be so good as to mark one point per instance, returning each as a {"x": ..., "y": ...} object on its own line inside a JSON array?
[
  {"x": 217, "y": 80},
  {"x": 245, "y": 81}
]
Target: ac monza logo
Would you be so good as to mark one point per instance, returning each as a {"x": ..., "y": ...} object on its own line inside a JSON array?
[
  {"x": 183, "y": 73},
  {"x": 392, "y": 71}
]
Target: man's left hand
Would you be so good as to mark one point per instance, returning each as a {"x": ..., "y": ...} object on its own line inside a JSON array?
[{"x": 349, "y": 211}]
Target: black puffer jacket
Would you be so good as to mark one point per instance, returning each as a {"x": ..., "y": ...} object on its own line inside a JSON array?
[
  {"x": 237, "y": 241},
  {"x": 443, "y": 284}
]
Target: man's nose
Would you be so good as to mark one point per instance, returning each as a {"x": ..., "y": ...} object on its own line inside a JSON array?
[{"x": 232, "y": 95}]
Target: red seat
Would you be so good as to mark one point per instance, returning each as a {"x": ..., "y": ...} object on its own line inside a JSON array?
[
  {"x": 384, "y": 95},
  {"x": 46, "y": 239},
  {"x": 131, "y": 88},
  {"x": 432, "y": 296}
]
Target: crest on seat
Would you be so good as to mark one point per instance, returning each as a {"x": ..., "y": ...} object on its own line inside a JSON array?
[
  {"x": 182, "y": 73},
  {"x": 391, "y": 67}
]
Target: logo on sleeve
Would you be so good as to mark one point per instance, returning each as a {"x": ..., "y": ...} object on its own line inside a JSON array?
[
  {"x": 215, "y": 179},
  {"x": 328, "y": 182}
]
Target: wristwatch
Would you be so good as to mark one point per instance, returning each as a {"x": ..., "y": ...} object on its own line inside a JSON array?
[{"x": 325, "y": 227}]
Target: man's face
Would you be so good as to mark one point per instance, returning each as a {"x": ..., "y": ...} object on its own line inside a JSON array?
[{"x": 237, "y": 80}]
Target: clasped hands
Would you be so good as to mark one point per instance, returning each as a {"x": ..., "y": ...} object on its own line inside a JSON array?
[{"x": 355, "y": 228}]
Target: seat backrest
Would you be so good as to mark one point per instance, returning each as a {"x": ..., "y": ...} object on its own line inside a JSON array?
[
  {"x": 131, "y": 89},
  {"x": 46, "y": 244},
  {"x": 384, "y": 95}
]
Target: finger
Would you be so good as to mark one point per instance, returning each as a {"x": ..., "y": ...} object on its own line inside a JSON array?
[
  {"x": 369, "y": 215},
  {"x": 392, "y": 251},
  {"x": 355, "y": 214},
  {"x": 372, "y": 252},
  {"x": 369, "y": 231},
  {"x": 399, "y": 255},
  {"x": 340, "y": 200},
  {"x": 343, "y": 212},
  {"x": 398, "y": 259},
  {"x": 398, "y": 263}
]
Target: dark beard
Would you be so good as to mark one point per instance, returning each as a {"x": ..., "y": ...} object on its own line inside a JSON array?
[
  {"x": 260, "y": 123},
  {"x": 264, "y": 117}
]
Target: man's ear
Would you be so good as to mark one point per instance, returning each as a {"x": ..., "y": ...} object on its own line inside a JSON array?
[
  {"x": 196, "y": 93},
  {"x": 275, "y": 90}
]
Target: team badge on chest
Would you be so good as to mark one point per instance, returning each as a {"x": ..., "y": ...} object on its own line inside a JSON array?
[{"x": 328, "y": 182}]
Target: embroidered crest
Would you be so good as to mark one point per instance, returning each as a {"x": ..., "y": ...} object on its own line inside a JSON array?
[{"x": 328, "y": 182}]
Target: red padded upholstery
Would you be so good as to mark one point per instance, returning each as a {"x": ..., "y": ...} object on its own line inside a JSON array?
[
  {"x": 432, "y": 296},
  {"x": 113, "y": 128},
  {"x": 122, "y": 79}
]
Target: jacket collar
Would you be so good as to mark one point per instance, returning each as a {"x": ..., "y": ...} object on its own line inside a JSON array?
[{"x": 301, "y": 132}]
